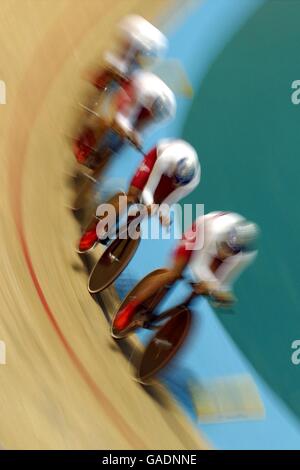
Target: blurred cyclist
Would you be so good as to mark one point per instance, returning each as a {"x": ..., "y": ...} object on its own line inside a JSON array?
[
  {"x": 145, "y": 100},
  {"x": 168, "y": 173},
  {"x": 218, "y": 247},
  {"x": 140, "y": 43}
]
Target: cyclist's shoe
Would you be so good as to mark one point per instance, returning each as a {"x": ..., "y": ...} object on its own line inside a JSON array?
[
  {"x": 84, "y": 146},
  {"x": 125, "y": 316},
  {"x": 88, "y": 241}
]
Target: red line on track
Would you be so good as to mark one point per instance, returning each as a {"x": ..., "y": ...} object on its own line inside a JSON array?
[{"x": 17, "y": 146}]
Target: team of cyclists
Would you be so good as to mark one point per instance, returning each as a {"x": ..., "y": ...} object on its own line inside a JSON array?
[{"x": 219, "y": 245}]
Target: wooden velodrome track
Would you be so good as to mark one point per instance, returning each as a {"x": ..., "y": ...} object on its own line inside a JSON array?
[{"x": 66, "y": 384}]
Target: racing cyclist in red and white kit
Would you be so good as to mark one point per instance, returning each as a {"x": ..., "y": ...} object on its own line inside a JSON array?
[
  {"x": 144, "y": 102},
  {"x": 168, "y": 173},
  {"x": 217, "y": 248},
  {"x": 140, "y": 43}
]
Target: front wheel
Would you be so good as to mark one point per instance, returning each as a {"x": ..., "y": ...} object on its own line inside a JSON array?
[
  {"x": 164, "y": 344},
  {"x": 147, "y": 306}
]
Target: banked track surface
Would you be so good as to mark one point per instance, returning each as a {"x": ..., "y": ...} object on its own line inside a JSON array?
[{"x": 66, "y": 384}]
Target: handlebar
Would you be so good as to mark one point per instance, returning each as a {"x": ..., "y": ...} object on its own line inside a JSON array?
[{"x": 216, "y": 304}]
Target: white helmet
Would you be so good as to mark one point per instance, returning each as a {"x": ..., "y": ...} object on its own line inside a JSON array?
[
  {"x": 144, "y": 38},
  {"x": 155, "y": 95},
  {"x": 242, "y": 236},
  {"x": 185, "y": 170}
]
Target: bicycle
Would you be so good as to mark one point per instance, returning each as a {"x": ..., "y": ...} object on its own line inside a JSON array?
[{"x": 172, "y": 326}]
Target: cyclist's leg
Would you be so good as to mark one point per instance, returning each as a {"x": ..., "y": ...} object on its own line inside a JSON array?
[
  {"x": 88, "y": 185},
  {"x": 124, "y": 317},
  {"x": 133, "y": 195},
  {"x": 164, "y": 279},
  {"x": 94, "y": 227},
  {"x": 90, "y": 236},
  {"x": 119, "y": 203},
  {"x": 116, "y": 210}
]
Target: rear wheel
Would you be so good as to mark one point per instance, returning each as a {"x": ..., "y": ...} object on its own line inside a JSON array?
[{"x": 164, "y": 344}]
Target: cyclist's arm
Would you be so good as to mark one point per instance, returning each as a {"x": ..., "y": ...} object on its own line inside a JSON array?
[
  {"x": 176, "y": 195},
  {"x": 201, "y": 262},
  {"x": 158, "y": 170},
  {"x": 124, "y": 122},
  {"x": 232, "y": 268}
]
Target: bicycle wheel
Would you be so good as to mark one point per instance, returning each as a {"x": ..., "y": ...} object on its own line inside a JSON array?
[
  {"x": 165, "y": 343},
  {"x": 148, "y": 305},
  {"x": 110, "y": 265}
]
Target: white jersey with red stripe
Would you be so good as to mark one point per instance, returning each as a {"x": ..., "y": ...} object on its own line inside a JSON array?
[
  {"x": 169, "y": 153},
  {"x": 146, "y": 99},
  {"x": 204, "y": 238}
]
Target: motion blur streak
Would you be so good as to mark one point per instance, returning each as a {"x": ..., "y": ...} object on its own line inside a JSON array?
[
  {"x": 29, "y": 100},
  {"x": 18, "y": 148}
]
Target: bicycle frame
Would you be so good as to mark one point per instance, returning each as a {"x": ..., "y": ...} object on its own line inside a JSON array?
[{"x": 154, "y": 319}]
